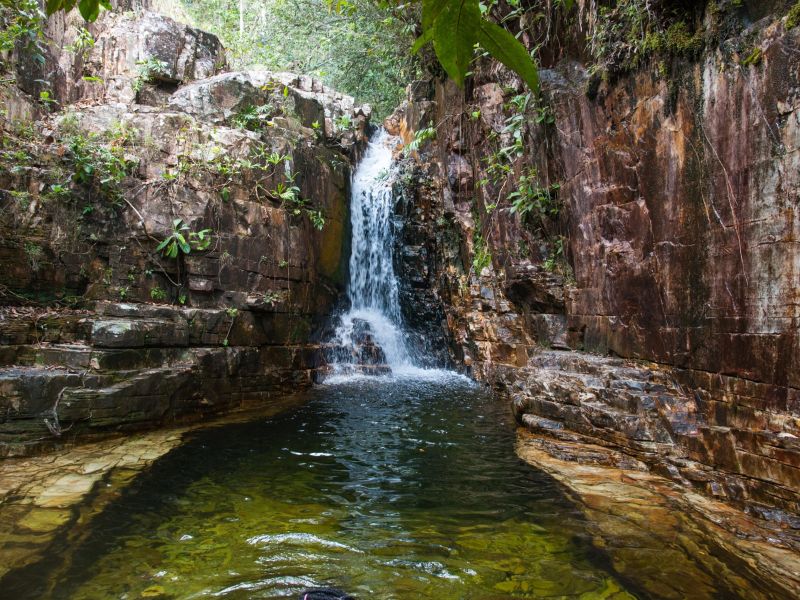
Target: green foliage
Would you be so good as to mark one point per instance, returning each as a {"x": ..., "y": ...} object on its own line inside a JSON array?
[
  {"x": 100, "y": 166},
  {"x": 360, "y": 47},
  {"x": 628, "y": 32},
  {"x": 289, "y": 196},
  {"x": 147, "y": 71},
  {"x": 182, "y": 240},
  {"x": 84, "y": 42},
  {"x": 158, "y": 294},
  {"x": 499, "y": 162},
  {"x": 58, "y": 191},
  {"x": 20, "y": 25},
  {"x": 317, "y": 219},
  {"x": 46, "y": 99},
  {"x": 22, "y": 198},
  {"x": 456, "y": 26},
  {"x": 89, "y": 9},
  {"x": 481, "y": 257},
  {"x": 420, "y": 137},
  {"x": 34, "y": 252},
  {"x": 253, "y": 118},
  {"x": 793, "y": 16},
  {"x": 753, "y": 58},
  {"x": 531, "y": 196},
  {"x": 556, "y": 261},
  {"x": 343, "y": 122}
]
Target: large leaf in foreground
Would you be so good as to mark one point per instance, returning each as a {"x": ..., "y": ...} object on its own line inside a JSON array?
[
  {"x": 455, "y": 33},
  {"x": 509, "y": 50}
]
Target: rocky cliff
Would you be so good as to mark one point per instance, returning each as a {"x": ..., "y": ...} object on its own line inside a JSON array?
[
  {"x": 644, "y": 208},
  {"x": 172, "y": 235}
]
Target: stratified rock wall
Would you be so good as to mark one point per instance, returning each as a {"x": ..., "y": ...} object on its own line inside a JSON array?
[
  {"x": 102, "y": 331},
  {"x": 666, "y": 231}
]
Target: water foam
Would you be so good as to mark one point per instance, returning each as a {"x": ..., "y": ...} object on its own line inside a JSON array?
[{"x": 373, "y": 293}]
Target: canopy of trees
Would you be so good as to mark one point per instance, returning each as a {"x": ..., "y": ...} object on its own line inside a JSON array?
[{"x": 360, "y": 47}]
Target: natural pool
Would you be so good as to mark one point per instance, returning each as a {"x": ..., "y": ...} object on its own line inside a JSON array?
[{"x": 404, "y": 488}]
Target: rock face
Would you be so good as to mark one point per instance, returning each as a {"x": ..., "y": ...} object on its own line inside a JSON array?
[
  {"x": 662, "y": 227},
  {"x": 171, "y": 242},
  {"x": 672, "y": 532}
]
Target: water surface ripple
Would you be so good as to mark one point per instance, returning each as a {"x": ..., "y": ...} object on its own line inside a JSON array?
[{"x": 393, "y": 488}]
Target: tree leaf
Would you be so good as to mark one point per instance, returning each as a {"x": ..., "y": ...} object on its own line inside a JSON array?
[
  {"x": 52, "y": 6},
  {"x": 455, "y": 33},
  {"x": 431, "y": 9},
  {"x": 422, "y": 40},
  {"x": 163, "y": 244},
  {"x": 508, "y": 50},
  {"x": 89, "y": 9}
]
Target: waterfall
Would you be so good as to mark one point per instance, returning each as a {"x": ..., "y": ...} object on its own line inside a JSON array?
[{"x": 370, "y": 334}]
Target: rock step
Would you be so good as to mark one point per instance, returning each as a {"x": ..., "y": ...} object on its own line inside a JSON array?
[
  {"x": 607, "y": 398},
  {"x": 150, "y": 391},
  {"x": 30, "y": 394},
  {"x": 83, "y": 357}
]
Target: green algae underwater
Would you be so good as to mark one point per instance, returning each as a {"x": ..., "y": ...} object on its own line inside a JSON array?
[{"x": 385, "y": 488}]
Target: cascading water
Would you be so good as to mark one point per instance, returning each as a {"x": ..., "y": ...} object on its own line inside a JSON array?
[{"x": 371, "y": 330}]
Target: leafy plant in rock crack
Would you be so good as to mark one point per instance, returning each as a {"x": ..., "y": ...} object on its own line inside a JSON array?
[
  {"x": 35, "y": 253},
  {"x": 101, "y": 167},
  {"x": 83, "y": 43},
  {"x": 182, "y": 240},
  {"x": 147, "y": 70},
  {"x": 343, "y": 123},
  {"x": 532, "y": 196},
  {"x": 253, "y": 118},
  {"x": 232, "y": 314},
  {"x": 420, "y": 137},
  {"x": 482, "y": 256},
  {"x": 289, "y": 196},
  {"x": 157, "y": 294}
]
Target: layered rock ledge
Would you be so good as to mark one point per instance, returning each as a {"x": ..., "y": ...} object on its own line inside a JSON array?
[{"x": 172, "y": 235}]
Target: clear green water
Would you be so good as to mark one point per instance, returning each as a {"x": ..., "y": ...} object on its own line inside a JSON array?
[{"x": 408, "y": 489}]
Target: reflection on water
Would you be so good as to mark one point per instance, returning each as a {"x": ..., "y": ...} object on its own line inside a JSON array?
[{"x": 402, "y": 489}]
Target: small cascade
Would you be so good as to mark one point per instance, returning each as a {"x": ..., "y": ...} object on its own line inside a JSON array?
[{"x": 369, "y": 337}]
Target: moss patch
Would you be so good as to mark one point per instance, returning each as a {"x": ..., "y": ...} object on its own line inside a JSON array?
[{"x": 793, "y": 16}]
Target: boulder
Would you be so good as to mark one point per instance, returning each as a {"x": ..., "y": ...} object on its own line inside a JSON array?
[{"x": 136, "y": 48}]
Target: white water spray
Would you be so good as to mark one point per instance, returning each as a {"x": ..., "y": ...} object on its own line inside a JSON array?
[
  {"x": 369, "y": 339},
  {"x": 373, "y": 294}
]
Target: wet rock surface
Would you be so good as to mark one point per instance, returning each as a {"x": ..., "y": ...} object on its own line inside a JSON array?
[
  {"x": 662, "y": 418},
  {"x": 134, "y": 366},
  {"x": 418, "y": 264},
  {"x": 636, "y": 516}
]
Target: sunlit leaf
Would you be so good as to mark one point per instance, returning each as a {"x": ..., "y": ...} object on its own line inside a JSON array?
[{"x": 508, "y": 50}]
